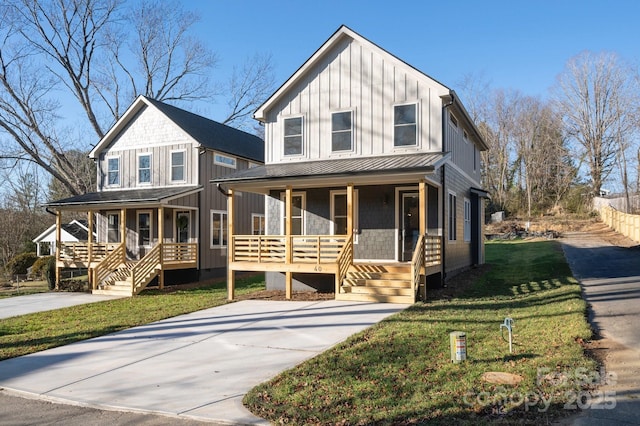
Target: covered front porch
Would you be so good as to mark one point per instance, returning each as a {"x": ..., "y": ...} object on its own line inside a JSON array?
[
  {"x": 352, "y": 252},
  {"x": 135, "y": 241}
]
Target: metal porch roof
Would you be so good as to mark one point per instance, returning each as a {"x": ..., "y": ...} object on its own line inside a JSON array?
[
  {"x": 360, "y": 166},
  {"x": 126, "y": 196}
]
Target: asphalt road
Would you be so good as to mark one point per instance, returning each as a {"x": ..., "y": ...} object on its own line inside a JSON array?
[
  {"x": 610, "y": 278},
  {"x": 18, "y": 411}
]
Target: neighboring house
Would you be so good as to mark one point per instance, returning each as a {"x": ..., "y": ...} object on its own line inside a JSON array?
[
  {"x": 76, "y": 231},
  {"x": 155, "y": 210},
  {"x": 372, "y": 178}
]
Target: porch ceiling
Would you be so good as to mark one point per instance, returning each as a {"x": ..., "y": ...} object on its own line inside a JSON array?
[
  {"x": 123, "y": 198},
  {"x": 361, "y": 170}
]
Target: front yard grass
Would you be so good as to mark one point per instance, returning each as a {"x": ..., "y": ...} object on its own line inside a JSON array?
[
  {"x": 400, "y": 371},
  {"x": 26, "y": 334}
]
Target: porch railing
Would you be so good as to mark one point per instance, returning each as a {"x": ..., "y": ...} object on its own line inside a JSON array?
[
  {"x": 180, "y": 253},
  {"x": 344, "y": 262},
  {"x": 417, "y": 263},
  {"x": 273, "y": 248},
  {"x": 146, "y": 269},
  {"x": 110, "y": 263},
  {"x": 79, "y": 252},
  {"x": 432, "y": 250}
]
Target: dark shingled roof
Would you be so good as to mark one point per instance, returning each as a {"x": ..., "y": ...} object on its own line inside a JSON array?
[
  {"x": 214, "y": 135},
  {"x": 338, "y": 167},
  {"x": 148, "y": 195}
]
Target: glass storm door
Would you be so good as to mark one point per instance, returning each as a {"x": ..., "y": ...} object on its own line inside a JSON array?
[
  {"x": 182, "y": 227},
  {"x": 409, "y": 225}
]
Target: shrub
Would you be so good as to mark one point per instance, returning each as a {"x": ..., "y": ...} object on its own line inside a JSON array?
[
  {"x": 20, "y": 263},
  {"x": 50, "y": 272},
  {"x": 39, "y": 267}
]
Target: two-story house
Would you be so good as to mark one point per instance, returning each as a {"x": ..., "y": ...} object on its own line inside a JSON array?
[
  {"x": 155, "y": 210},
  {"x": 371, "y": 177}
]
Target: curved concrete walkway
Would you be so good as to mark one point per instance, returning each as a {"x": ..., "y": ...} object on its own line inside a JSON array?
[{"x": 196, "y": 366}]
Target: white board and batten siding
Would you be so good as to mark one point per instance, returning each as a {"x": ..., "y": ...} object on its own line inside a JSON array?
[
  {"x": 362, "y": 78},
  {"x": 150, "y": 132}
]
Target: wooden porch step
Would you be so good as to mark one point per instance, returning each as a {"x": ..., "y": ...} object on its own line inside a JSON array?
[
  {"x": 118, "y": 288},
  {"x": 380, "y": 298},
  {"x": 387, "y": 291},
  {"x": 378, "y": 282},
  {"x": 368, "y": 282}
]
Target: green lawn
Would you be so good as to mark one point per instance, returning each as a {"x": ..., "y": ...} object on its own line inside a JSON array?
[
  {"x": 400, "y": 372},
  {"x": 36, "y": 332}
]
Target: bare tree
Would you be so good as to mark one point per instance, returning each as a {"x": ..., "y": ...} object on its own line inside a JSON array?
[
  {"x": 594, "y": 95},
  {"x": 249, "y": 86},
  {"x": 498, "y": 131},
  {"x": 104, "y": 53}
]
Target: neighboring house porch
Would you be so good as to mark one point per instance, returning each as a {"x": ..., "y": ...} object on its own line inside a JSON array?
[{"x": 139, "y": 236}]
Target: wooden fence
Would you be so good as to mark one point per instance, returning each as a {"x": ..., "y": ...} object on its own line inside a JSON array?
[{"x": 623, "y": 223}]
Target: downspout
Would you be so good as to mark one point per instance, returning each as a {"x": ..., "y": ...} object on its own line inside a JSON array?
[
  {"x": 445, "y": 198},
  {"x": 222, "y": 190}
]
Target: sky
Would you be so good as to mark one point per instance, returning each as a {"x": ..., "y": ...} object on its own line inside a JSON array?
[{"x": 521, "y": 45}]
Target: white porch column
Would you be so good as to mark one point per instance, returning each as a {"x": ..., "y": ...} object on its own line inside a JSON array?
[{"x": 58, "y": 246}]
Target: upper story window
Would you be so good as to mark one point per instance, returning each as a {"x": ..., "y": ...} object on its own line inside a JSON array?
[
  {"x": 113, "y": 171},
  {"x": 293, "y": 136},
  {"x": 341, "y": 131},
  {"x": 405, "y": 125},
  {"x": 224, "y": 160},
  {"x": 144, "y": 168},
  {"x": 177, "y": 166}
]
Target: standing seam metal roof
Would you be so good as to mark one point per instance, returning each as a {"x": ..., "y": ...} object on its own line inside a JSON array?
[{"x": 336, "y": 167}]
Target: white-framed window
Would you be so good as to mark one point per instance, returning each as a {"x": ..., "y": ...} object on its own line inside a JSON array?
[
  {"x": 218, "y": 229},
  {"x": 113, "y": 227},
  {"x": 178, "y": 166},
  {"x": 224, "y": 160},
  {"x": 452, "y": 216},
  {"x": 293, "y": 136},
  {"x": 113, "y": 171},
  {"x": 144, "y": 228},
  {"x": 405, "y": 125},
  {"x": 339, "y": 213},
  {"x": 144, "y": 168},
  {"x": 298, "y": 207},
  {"x": 342, "y": 131},
  {"x": 467, "y": 220},
  {"x": 257, "y": 224}
]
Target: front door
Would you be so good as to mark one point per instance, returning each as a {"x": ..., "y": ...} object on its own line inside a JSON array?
[
  {"x": 182, "y": 227},
  {"x": 409, "y": 224}
]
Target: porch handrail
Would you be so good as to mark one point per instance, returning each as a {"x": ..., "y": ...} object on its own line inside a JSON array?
[
  {"x": 79, "y": 251},
  {"x": 344, "y": 262},
  {"x": 110, "y": 263},
  {"x": 432, "y": 250},
  {"x": 144, "y": 268},
  {"x": 180, "y": 253},
  {"x": 417, "y": 263}
]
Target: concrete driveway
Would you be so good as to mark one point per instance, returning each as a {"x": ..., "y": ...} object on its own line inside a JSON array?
[{"x": 196, "y": 366}]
